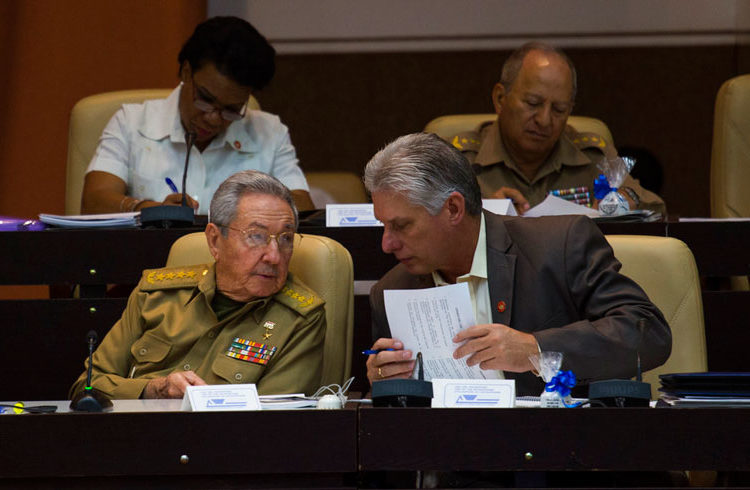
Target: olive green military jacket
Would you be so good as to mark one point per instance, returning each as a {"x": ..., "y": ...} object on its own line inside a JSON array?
[
  {"x": 169, "y": 325},
  {"x": 572, "y": 164}
]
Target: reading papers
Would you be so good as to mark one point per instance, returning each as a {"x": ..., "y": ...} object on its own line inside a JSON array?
[{"x": 426, "y": 320}]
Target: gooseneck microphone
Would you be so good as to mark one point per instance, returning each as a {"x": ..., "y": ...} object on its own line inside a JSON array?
[
  {"x": 90, "y": 399},
  {"x": 190, "y": 141},
  {"x": 624, "y": 392},
  {"x": 173, "y": 216}
]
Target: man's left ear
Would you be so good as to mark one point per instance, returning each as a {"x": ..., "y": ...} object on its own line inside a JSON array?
[{"x": 455, "y": 206}]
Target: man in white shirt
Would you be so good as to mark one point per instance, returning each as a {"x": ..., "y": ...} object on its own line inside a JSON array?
[{"x": 224, "y": 62}]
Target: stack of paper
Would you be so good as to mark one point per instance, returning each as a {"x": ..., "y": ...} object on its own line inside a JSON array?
[
  {"x": 93, "y": 220},
  {"x": 710, "y": 389}
]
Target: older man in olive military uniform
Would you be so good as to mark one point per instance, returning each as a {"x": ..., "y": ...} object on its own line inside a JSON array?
[
  {"x": 243, "y": 319},
  {"x": 529, "y": 150}
]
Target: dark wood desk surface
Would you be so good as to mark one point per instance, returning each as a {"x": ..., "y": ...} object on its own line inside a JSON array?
[
  {"x": 303, "y": 448},
  {"x": 525, "y": 439},
  {"x": 310, "y": 448},
  {"x": 41, "y": 341}
]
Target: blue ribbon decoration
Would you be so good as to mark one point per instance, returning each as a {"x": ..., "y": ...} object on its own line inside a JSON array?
[
  {"x": 601, "y": 187},
  {"x": 561, "y": 383}
]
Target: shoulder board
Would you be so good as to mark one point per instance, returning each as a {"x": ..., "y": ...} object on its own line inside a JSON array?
[
  {"x": 298, "y": 296},
  {"x": 467, "y": 141},
  {"x": 587, "y": 141},
  {"x": 172, "y": 277}
]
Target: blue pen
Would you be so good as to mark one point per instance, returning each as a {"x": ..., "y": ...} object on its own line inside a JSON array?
[
  {"x": 369, "y": 352},
  {"x": 171, "y": 185}
]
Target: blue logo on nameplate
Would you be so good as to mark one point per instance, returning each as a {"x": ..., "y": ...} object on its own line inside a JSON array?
[
  {"x": 477, "y": 400},
  {"x": 224, "y": 403},
  {"x": 347, "y": 215}
]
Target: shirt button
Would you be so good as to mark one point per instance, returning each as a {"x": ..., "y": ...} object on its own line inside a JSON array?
[
  {"x": 211, "y": 335},
  {"x": 143, "y": 351},
  {"x": 186, "y": 367},
  {"x": 238, "y": 376}
]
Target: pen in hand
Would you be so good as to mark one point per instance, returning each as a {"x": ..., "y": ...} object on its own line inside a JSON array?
[
  {"x": 171, "y": 185},
  {"x": 369, "y": 352}
]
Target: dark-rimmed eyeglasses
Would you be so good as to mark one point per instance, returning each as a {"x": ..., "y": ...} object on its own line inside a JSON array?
[
  {"x": 208, "y": 107},
  {"x": 258, "y": 237}
]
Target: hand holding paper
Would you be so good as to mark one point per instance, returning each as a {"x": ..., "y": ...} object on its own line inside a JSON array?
[{"x": 496, "y": 346}]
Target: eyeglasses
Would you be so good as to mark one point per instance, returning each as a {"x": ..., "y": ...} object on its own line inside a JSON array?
[
  {"x": 208, "y": 107},
  {"x": 258, "y": 237}
]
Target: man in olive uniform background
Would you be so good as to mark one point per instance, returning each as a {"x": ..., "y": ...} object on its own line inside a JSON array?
[
  {"x": 243, "y": 319},
  {"x": 530, "y": 150}
]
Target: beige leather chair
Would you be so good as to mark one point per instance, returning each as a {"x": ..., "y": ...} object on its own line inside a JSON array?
[
  {"x": 666, "y": 270},
  {"x": 335, "y": 187},
  {"x": 730, "y": 153},
  {"x": 448, "y": 126},
  {"x": 730, "y": 156},
  {"x": 87, "y": 121},
  {"x": 322, "y": 264}
]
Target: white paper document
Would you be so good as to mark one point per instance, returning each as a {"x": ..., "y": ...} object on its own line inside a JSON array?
[
  {"x": 500, "y": 206},
  {"x": 426, "y": 320},
  {"x": 92, "y": 220},
  {"x": 556, "y": 206}
]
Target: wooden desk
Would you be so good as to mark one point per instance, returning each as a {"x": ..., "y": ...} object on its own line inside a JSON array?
[
  {"x": 42, "y": 345},
  {"x": 300, "y": 449},
  {"x": 631, "y": 439}
]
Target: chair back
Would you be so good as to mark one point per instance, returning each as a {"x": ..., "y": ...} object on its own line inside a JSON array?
[
  {"x": 665, "y": 269},
  {"x": 87, "y": 121},
  {"x": 448, "y": 126},
  {"x": 730, "y": 152},
  {"x": 326, "y": 267},
  {"x": 335, "y": 187}
]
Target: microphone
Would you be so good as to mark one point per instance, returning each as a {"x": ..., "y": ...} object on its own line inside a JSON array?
[
  {"x": 624, "y": 392},
  {"x": 190, "y": 141},
  {"x": 403, "y": 392},
  {"x": 90, "y": 399},
  {"x": 169, "y": 216}
]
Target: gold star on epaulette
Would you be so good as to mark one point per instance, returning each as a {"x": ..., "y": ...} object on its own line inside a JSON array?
[{"x": 303, "y": 301}]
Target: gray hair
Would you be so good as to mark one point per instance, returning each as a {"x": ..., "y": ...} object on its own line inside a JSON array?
[
  {"x": 512, "y": 66},
  {"x": 223, "y": 208},
  {"x": 425, "y": 169}
]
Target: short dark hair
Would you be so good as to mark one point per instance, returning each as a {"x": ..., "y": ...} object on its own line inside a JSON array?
[
  {"x": 235, "y": 47},
  {"x": 425, "y": 170},
  {"x": 512, "y": 66}
]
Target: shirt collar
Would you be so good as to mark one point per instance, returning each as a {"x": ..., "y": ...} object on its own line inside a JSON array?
[
  {"x": 478, "y": 263},
  {"x": 207, "y": 287},
  {"x": 493, "y": 150},
  {"x": 165, "y": 121}
]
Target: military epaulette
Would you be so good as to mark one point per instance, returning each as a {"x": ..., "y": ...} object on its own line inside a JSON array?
[
  {"x": 585, "y": 141},
  {"x": 298, "y": 297},
  {"x": 172, "y": 277},
  {"x": 467, "y": 141}
]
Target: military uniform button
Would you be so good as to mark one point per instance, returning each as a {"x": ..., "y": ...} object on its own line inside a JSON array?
[
  {"x": 143, "y": 351},
  {"x": 211, "y": 335},
  {"x": 238, "y": 376},
  {"x": 186, "y": 367}
]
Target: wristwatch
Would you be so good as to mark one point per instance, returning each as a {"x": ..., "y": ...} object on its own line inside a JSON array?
[{"x": 632, "y": 195}]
